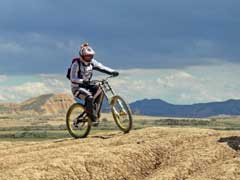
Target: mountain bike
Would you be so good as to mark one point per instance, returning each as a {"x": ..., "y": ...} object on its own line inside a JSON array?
[{"x": 79, "y": 124}]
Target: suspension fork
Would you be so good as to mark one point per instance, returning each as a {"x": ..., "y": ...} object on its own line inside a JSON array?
[
  {"x": 109, "y": 88},
  {"x": 106, "y": 88}
]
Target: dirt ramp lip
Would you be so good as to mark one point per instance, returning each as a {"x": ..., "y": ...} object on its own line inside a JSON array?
[{"x": 151, "y": 153}]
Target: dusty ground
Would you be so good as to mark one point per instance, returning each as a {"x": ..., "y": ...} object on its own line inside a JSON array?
[{"x": 151, "y": 153}]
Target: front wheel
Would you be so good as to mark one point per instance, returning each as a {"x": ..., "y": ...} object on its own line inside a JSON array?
[
  {"x": 121, "y": 113},
  {"x": 77, "y": 121}
]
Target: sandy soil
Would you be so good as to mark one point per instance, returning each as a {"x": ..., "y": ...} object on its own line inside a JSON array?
[{"x": 147, "y": 154}]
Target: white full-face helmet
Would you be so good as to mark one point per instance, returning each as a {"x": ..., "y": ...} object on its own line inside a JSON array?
[{"x": 86, "y": 52}]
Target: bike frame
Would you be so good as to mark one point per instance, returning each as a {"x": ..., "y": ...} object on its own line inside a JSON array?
[
  {"x": 121, "y": 113},
  {"x": 104, "y": 88}
]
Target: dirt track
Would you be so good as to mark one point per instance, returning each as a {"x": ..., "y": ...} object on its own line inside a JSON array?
[{"x": 152, "y": 153}]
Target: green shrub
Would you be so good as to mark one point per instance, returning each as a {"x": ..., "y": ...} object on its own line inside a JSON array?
[{"x": 31, "y": 134}]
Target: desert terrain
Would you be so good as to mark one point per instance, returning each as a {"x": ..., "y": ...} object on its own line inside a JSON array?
[
  {"x": 34, "y": 145},
  {"x": 160, "y": 153}
]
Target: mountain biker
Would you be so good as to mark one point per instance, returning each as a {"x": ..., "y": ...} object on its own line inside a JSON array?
[{"x": 81, "y": 74}]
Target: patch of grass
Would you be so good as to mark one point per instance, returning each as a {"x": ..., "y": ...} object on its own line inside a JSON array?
[{"x": 42, "y": 130}]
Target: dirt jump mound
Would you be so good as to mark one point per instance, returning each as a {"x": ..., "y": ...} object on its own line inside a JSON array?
[{"x": 151, "y": 153}]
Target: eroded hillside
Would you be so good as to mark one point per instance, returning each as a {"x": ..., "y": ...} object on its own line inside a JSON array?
[{"x": 48, "y": 104}]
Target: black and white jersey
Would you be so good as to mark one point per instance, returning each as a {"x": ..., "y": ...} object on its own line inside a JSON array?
[{"x": 81, "y": 71}]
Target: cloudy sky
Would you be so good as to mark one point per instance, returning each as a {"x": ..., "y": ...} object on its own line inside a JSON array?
[{"x": 180, "y": 51}]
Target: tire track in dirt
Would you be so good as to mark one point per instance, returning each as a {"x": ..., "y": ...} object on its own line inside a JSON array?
[{"x": 151, "y": 153}]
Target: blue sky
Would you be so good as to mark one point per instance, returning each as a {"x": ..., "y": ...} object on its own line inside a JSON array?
[{"x": 165, "y": 37}]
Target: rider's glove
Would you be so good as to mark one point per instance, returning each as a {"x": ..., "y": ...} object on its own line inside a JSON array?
[{"x": 115, "y": 73}]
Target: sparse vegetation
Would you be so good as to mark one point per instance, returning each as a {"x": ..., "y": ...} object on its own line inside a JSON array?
[{"x": 48, "y": 127}]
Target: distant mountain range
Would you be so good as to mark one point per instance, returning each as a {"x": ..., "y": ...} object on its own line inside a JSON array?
[
  {"x": 157, "y": 107},
  {"x": 52, "y": 104}
]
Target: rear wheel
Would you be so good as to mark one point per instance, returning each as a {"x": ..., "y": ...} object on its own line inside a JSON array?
[
  {"x": 77, "y": 121},
  {"x": 121, "y": 113}
]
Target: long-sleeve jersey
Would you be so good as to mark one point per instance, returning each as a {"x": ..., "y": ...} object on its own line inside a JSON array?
[{"x": 81, "y": 71}]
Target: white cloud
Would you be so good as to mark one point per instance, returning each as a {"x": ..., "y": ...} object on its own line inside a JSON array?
[
  {"x": 3, "y": 78},
  {"x": 24, "y": 91},
  {"x": 2, "y": 98},
  {"x": 10, "y": 47},
  {"x": 31, "y": 88},
  {"x": 17, "y": 93},
  {"x": 191, "y": 85}
]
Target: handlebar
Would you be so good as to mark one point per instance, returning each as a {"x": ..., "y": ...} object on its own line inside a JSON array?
[{"x": 102, "y": 80}]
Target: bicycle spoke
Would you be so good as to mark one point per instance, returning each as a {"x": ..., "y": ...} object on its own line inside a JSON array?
[
  {"x": 121, "y": 114},
  {"x": 77, "y": 121}
]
